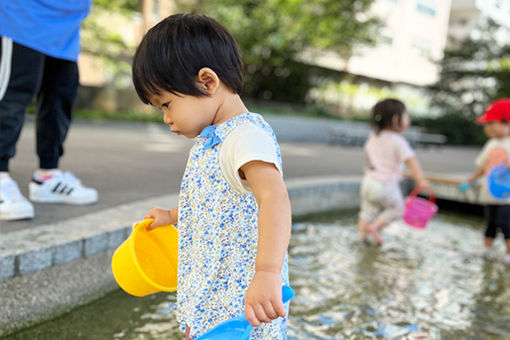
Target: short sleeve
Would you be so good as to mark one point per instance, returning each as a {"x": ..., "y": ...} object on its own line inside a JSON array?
[
  {"x": 244, "y": 144},
  {"x": 404, "y": 150}
]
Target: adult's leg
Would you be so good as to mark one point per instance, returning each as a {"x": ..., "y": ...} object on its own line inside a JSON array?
[
  {"x": 20, "y": 76},
  {"x": 56, "y": 98}
]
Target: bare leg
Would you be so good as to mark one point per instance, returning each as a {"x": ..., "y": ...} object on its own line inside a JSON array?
[
  {"x": 187, "y": 333},
  {"x": 486, "y": 252},
  {"x": 362, "y": 229},
  {"x": 506, "y": 257},
  {"x": 487, "y": 242},
  {"x": 374, "y": 228},
  {"x": 507, "y": 242}
]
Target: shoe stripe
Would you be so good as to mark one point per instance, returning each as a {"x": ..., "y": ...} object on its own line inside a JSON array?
[
  {"x": 63, "y": 189},
  {"x": 70, "y": 191},
  {"x": 56, "y": 186}
]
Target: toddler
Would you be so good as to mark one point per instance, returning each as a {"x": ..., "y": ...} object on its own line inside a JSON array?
[
  {"x": 495, "y": 152},
  {"x": 233, "y": 216},
  {"x": 387, "y": 151}
]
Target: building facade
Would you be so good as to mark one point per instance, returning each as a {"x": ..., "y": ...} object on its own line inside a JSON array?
[{"x": 467, "y": 15}]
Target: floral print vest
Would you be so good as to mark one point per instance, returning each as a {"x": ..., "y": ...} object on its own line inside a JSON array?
[{"x": 218, "y": 240}]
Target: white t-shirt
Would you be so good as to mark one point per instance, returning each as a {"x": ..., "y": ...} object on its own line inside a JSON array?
[
  {"x": 244, "y": 144},
  {"x": 496, "y": 151},
  {"x": 386, "y": 153}
]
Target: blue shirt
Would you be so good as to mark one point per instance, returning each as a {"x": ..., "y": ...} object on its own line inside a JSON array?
[{"x": 51, "y": 27}]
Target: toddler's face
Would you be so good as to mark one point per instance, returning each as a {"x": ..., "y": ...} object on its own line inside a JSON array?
[
  {"x": 496, "y": 129},
  {"x": 185, "y": 114}
]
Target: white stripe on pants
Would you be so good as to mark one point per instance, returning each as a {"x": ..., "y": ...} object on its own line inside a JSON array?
[{"x": 5, "y": 65}]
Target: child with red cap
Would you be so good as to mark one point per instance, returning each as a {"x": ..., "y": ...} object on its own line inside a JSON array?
[{"x": 496, "y": 151}]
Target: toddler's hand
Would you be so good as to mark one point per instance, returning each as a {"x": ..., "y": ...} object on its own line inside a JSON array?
[
  {"x": 160, "y": 216},
  {"x": 263, "y": 300},
  {"x": 464, "y": 186}
]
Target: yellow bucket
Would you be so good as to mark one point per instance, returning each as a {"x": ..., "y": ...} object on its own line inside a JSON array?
[{"x": 146, "y": 262}]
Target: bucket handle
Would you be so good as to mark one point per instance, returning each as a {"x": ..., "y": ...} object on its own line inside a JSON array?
[{"x": 417, "y": 190}]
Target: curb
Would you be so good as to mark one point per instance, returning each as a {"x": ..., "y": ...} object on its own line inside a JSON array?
[{"x": 53, "y": 244}]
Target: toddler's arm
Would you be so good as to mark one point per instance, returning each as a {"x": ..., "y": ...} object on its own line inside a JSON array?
[
  {"x": 263, "y": 300},
  {"x": 413, "y": 165},
  {"x": 477, "y": 174},
  {"x": 162, "y": 216}
]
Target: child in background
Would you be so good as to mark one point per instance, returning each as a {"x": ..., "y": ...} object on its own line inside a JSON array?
[
  {"x": 386, "y": 153},
  {"x": 495, "y": 152},
  {"x": 233, "y": 216}
]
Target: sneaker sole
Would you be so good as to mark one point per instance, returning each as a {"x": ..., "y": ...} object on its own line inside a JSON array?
[{"x": 63, "y": 201}]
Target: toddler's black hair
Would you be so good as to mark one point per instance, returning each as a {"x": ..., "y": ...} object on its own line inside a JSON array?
[
  {"x": 172, "y": 52},
  {"x": 383, "y": 113}
]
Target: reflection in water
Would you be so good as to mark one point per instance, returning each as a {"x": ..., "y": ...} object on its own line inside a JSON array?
[
  {"x": 491, "y": 304},
  {"x": 422, "y": 284}
]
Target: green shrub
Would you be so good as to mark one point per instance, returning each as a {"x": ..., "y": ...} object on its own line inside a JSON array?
[{"x": 458, "y": 129}]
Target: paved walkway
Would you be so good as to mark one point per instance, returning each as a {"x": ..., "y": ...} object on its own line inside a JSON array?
[{"x": 128, "y": 162}]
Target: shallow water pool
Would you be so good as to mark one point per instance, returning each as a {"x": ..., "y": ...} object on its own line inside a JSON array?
[{"x": 421, "y": 284}]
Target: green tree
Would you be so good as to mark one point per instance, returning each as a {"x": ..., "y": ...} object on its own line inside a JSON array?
[
  {"x": 273, "y": 34},
  {"x": 100, "y": 39},
  {"x": 474, "y": 72}
]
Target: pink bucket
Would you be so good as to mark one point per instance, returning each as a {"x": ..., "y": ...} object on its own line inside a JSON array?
[{"x": 418, "y": 210}]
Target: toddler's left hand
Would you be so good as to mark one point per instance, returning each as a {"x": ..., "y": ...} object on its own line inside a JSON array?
[{"x": 263, "y": 300}]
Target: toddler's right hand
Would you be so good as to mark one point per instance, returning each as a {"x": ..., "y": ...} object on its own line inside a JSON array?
[{"x": 160, "y": 216}]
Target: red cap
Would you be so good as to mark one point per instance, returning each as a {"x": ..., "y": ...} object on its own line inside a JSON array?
[{"x": 498, "y": 111}]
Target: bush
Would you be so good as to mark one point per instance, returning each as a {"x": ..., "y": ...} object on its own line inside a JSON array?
[{"x": 459, "y": 129}]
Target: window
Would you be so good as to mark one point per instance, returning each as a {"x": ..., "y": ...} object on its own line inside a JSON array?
[{"x": 427, "y": 7}]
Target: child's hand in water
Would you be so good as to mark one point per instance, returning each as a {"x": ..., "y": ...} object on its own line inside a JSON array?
[
  {"x": 263, "y": 300},
  {"x": 161, "y": 217}
]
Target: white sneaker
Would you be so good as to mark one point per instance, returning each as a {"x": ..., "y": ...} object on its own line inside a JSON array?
[
  {"x": 62, "y": 187},
  {"x": 13, "y": 205}
]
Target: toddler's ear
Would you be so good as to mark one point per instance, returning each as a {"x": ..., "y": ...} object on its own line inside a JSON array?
[{"x": 208, "y": 81}]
